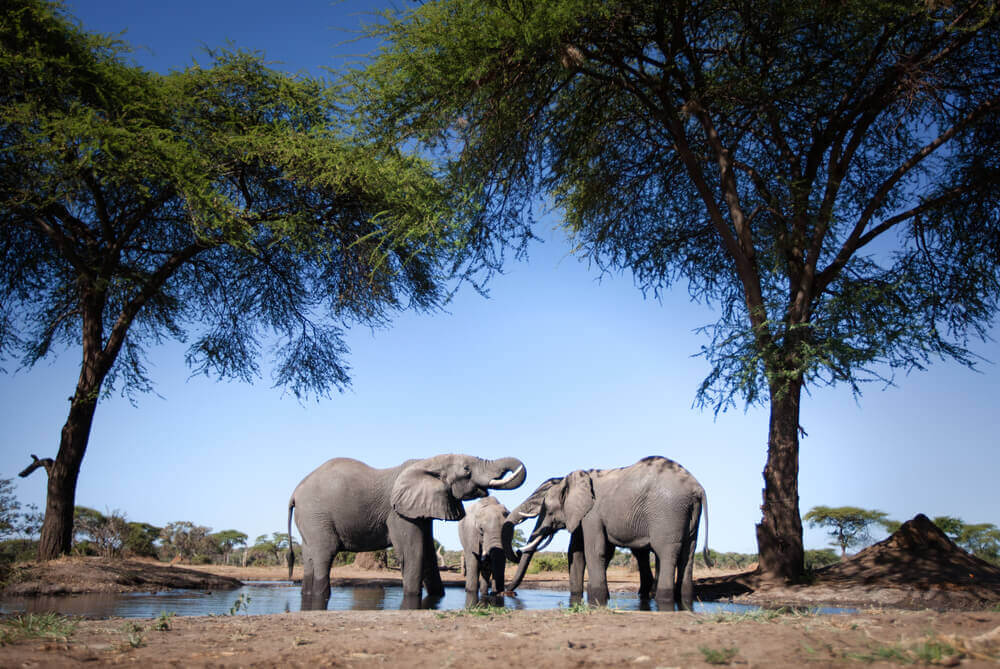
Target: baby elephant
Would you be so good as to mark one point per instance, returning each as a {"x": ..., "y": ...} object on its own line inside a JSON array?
[{"x": 480, "y": 533}]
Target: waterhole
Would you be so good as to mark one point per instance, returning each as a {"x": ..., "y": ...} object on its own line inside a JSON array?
[{"x": 258, "y": 598}]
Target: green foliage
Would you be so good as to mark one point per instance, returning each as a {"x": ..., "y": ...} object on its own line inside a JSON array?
[
  {"x": 774, "y": 167},
  {"x": 242, "y": 603},
  {"x": 980, "y": 539},
  {"x": 36, "y": 625},
  {"x": 14, "y": 521},
  {"x": 223, "y": 205},
  {"x": 134, "y": 635},
  {"x": 141, "y": 538},
  {"x": 162, "y": 623},
  {"x": 545, "y": 561},
  {"x": 105, "y": 535},
  {"x": 726, "y": 560},
  {"x": 185, "y": 539},
  {"x": 269, "y": 550},
  {"x": 718, "y": 655},
  {"x": 849, "y": 526},
  {"x": 814, "y": 559}
]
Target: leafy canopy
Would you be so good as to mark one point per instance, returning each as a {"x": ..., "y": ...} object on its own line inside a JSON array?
[
  {"x": 848, "y": 526},
  {"x": 824, "y": 172},
  {"x": 223, "y": 205}
]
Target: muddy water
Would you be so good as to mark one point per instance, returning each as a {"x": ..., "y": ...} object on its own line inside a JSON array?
[{"x": 256, "y": 598}]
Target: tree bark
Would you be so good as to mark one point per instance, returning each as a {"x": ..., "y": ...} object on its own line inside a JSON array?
[
  {"x": 779, "y": 534},
  {"x": 57, "y": 529}
]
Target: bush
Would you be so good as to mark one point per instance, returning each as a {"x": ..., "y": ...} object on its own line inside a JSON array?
[
  {"x": 814, "y": 559},
  {"x": 548, "y": 562}
]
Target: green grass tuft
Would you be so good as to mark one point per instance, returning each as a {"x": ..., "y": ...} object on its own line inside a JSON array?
[
  {"x": 718, "y": 655},
  {"x": 35, "y": 626}
]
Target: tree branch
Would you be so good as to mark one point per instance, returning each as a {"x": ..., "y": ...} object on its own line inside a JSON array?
[{"x": 44, "y": 462}]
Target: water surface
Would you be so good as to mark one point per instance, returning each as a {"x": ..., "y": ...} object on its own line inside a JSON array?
[{"x": 259, "y": 598}]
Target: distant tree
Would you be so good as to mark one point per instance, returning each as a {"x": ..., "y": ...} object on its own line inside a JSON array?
[
  {"x": 10, "y": 509},
  {"x": 980, "y": 539},
  {"x": 227, "y": 540},
  {"x": 271, "y": 546},
  {"x": 219, "y": 205},
  {"x": 141, "y": 539},
  {"x": 104, "y": 533},
  {"x": 826, "y": 173},
  {"x": 185, "y": 539},
  {"x": 821, "y": 558},
  {"x": 950, "y": 525},
  {"x": 848, "y": 526}
]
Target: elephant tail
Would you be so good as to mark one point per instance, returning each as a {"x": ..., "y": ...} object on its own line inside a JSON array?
[
  {"x": 291, "y": 546},
  {"x": 704, "y": 507}
]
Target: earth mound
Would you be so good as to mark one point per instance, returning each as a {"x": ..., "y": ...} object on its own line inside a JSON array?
[
  {"x": 918, "y": 555},
  {"x": 917, "y": 567},
  {"x": 75, "y": 575}
]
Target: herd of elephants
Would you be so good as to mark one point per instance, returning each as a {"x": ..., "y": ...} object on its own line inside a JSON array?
[{"x": 651, "y": 506}]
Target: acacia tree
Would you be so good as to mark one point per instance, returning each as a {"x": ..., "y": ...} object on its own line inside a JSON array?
[
  {"x": 826, "y": 173},
  {"x": 221, "y": 205},
  {"x": 848, "y": 526}
]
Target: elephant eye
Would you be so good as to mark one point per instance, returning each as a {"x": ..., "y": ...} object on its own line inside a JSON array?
[{"x": 466, "y": 470}]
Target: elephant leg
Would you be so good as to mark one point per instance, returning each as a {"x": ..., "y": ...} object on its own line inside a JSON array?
[
  {"x": 430, "y": 574},
  {"x": 667, "y": 556},
  {"x": 471, "y": 572},
  {"x": 407, "y": 538},
  {"x": 684, "y": 589},
  {"x": 317, "y": 559},
  {"x": 577, "y": 563},
  {"x": 646, "y": 582},
  {"x": 595, "y": 549}
]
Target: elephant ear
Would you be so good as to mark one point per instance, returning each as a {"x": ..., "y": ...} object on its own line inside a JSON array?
[
  {"x": 532, "y": 506},
  {"x": 578, "y": 498},
  {"x": 420, "y": 492}
]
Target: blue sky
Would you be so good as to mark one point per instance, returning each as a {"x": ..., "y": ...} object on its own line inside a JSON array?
[{"x": 560, "y": 367}]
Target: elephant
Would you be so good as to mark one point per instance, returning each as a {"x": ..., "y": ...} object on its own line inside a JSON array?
[
  {"x": 345, "y": 505},
  {"x": 480, "y": 533},
  {"x": 654, "y": 505}
]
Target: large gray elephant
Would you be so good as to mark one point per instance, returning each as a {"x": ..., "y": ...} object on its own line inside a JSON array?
[
  {"x": 482, "y": 548},
  {"x": 345, "y": 505},
  {"x": 654, "y": 505}
]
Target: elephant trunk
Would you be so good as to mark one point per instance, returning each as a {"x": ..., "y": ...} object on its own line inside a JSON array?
[
  {"x": 502, "y": 474},
  {"x": 522, "y": 569},
  {"x": 507, "y": 538}
]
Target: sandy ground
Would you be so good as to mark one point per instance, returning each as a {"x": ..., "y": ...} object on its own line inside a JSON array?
[
  {"x": 560, "y": 638},
  {"x": 493, "y": 637}
]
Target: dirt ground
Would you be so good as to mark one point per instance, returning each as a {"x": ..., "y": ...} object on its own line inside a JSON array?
[{"x": 952, "y": 619}]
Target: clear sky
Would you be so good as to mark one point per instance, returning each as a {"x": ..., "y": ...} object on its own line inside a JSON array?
[{"x": 559, "y": 367}]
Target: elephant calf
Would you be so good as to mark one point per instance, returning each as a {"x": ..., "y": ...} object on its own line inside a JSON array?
[
  {"x": 345, "y": 505},
  {"x": 654, "y": 505},
  {"x": 482, "y": 547}
]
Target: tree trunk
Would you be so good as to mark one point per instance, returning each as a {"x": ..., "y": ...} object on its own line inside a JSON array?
[
  {"x": 57, "y": 529},
  {"x": 779, "y": 534}
]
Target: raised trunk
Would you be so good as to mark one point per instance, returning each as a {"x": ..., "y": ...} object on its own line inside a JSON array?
[
  {"x": 779, "y": 534},
  {"x": 503, "y": 474},
  {"x": 57, "y": 529}
]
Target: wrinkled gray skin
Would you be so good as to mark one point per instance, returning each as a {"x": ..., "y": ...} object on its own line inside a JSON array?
[
  {"x": 482, "y": 548},
  {"x": 654, "y": 505},
  {"x": 345, "y": 505}
]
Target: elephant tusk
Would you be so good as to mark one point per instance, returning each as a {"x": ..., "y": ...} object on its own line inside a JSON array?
[
  {"x": 506, "y": 479},
  {"x": 545, "y": 544},
  {"x": 533, "y": 546}
]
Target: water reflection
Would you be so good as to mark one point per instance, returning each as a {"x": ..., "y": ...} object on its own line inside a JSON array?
[{"x": 283, "y": 597}]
